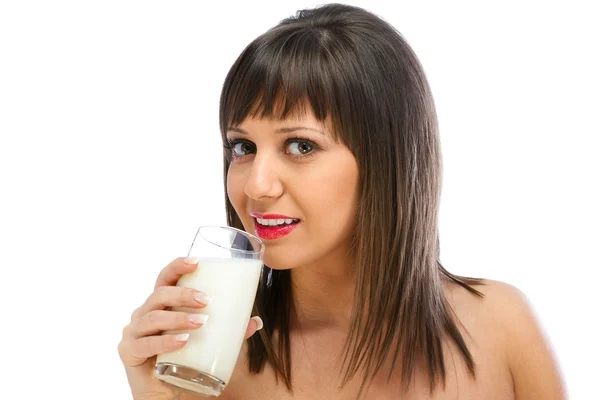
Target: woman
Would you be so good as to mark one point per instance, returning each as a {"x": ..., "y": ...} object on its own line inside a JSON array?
[{"x": 328, "y": 121}]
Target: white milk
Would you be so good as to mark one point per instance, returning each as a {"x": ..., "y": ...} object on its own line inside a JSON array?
[{"x": 214, "y": 347}]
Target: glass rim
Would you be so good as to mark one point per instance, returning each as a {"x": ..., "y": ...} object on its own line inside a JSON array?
[{"x": 230, "y": 228}]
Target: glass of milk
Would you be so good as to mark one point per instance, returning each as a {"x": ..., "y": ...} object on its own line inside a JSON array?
[{"x": 229, "y": 268}]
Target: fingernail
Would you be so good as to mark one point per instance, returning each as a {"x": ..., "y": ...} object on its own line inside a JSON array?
[
  {"x": 183, "y": 337},
  {"x": 198, "y": 318},
  {"x": 259, "y": 323},
  {"x": 203, "y": 298},
  {"x": 191, "y": 260}
]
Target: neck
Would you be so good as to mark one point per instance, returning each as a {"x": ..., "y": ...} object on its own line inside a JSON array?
[{"x": 323, "y": 294}]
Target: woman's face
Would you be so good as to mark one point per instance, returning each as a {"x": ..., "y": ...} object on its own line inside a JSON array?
[{"x": 294, "y": 187}]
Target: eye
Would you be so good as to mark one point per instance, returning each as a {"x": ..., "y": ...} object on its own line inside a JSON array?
[
  {"x": 300, "y": 147},
  {"x": 240, "y": 148}
]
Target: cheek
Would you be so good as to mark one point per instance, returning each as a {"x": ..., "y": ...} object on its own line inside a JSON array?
[
  {"x": 335, "y": 196},
  {"x": 235, "y": 189},
  {"x": 339, "y": 188}
]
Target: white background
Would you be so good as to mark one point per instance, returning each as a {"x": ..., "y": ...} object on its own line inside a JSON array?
[{"x": 110, "y": 157}]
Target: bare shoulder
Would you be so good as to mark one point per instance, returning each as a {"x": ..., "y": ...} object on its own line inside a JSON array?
[
  {"x": 505, "y": 317},
  {"x": 497, "y": 296}
]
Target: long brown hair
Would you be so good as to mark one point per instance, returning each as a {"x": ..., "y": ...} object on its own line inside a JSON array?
[{"x": 350, "y": 65}]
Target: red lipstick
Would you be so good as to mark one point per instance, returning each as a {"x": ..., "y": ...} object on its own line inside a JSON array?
[{"x": 272, "y": 232}]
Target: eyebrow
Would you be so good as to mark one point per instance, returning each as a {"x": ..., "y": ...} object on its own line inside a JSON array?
[{"x": 280, "y": 130}]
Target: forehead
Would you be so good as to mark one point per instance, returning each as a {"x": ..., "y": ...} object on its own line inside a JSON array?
[{"x": 306, "y": 120}]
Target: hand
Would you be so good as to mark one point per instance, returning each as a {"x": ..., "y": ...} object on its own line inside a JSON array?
[{"x": 142, "y": 339}]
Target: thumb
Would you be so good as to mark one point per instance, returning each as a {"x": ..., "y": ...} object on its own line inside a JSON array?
[{"x": 255, "y": 324}]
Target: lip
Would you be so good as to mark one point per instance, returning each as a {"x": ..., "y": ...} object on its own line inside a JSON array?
[{"x": 272, "y": 232}]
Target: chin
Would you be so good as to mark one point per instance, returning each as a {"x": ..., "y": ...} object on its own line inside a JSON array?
[
  {"x": 277, "y": 263},
  {"x": 285, "y": 257}
]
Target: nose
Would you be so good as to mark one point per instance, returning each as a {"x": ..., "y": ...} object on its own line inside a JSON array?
[{"x": 264, "y": 181}]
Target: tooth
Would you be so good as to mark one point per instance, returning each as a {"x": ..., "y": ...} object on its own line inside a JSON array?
[
  {"x": 280, "y": 221},
  {"x": 288, "y": 221},
  {"x": 272, "y": 222}
]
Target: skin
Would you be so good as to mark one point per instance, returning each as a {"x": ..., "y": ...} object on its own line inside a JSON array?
[
  {"x": 513, "y": 358},
  {"x": 272, "y": 175}
]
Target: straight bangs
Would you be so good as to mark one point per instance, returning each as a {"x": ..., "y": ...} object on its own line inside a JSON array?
[{"x": 279, "y": 76}]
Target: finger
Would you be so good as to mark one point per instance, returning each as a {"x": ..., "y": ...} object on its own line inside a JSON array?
[
  {"x": 159, "y": 320},
  {"x": 172, "y": 272},
  {"x": 138, "y": 351},
  {"x": 173, "y": 296},
  {"x": 255, "y": 324}
]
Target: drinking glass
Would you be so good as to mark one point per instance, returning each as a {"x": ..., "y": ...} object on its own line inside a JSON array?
[{"x": 229, "y": 268}]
